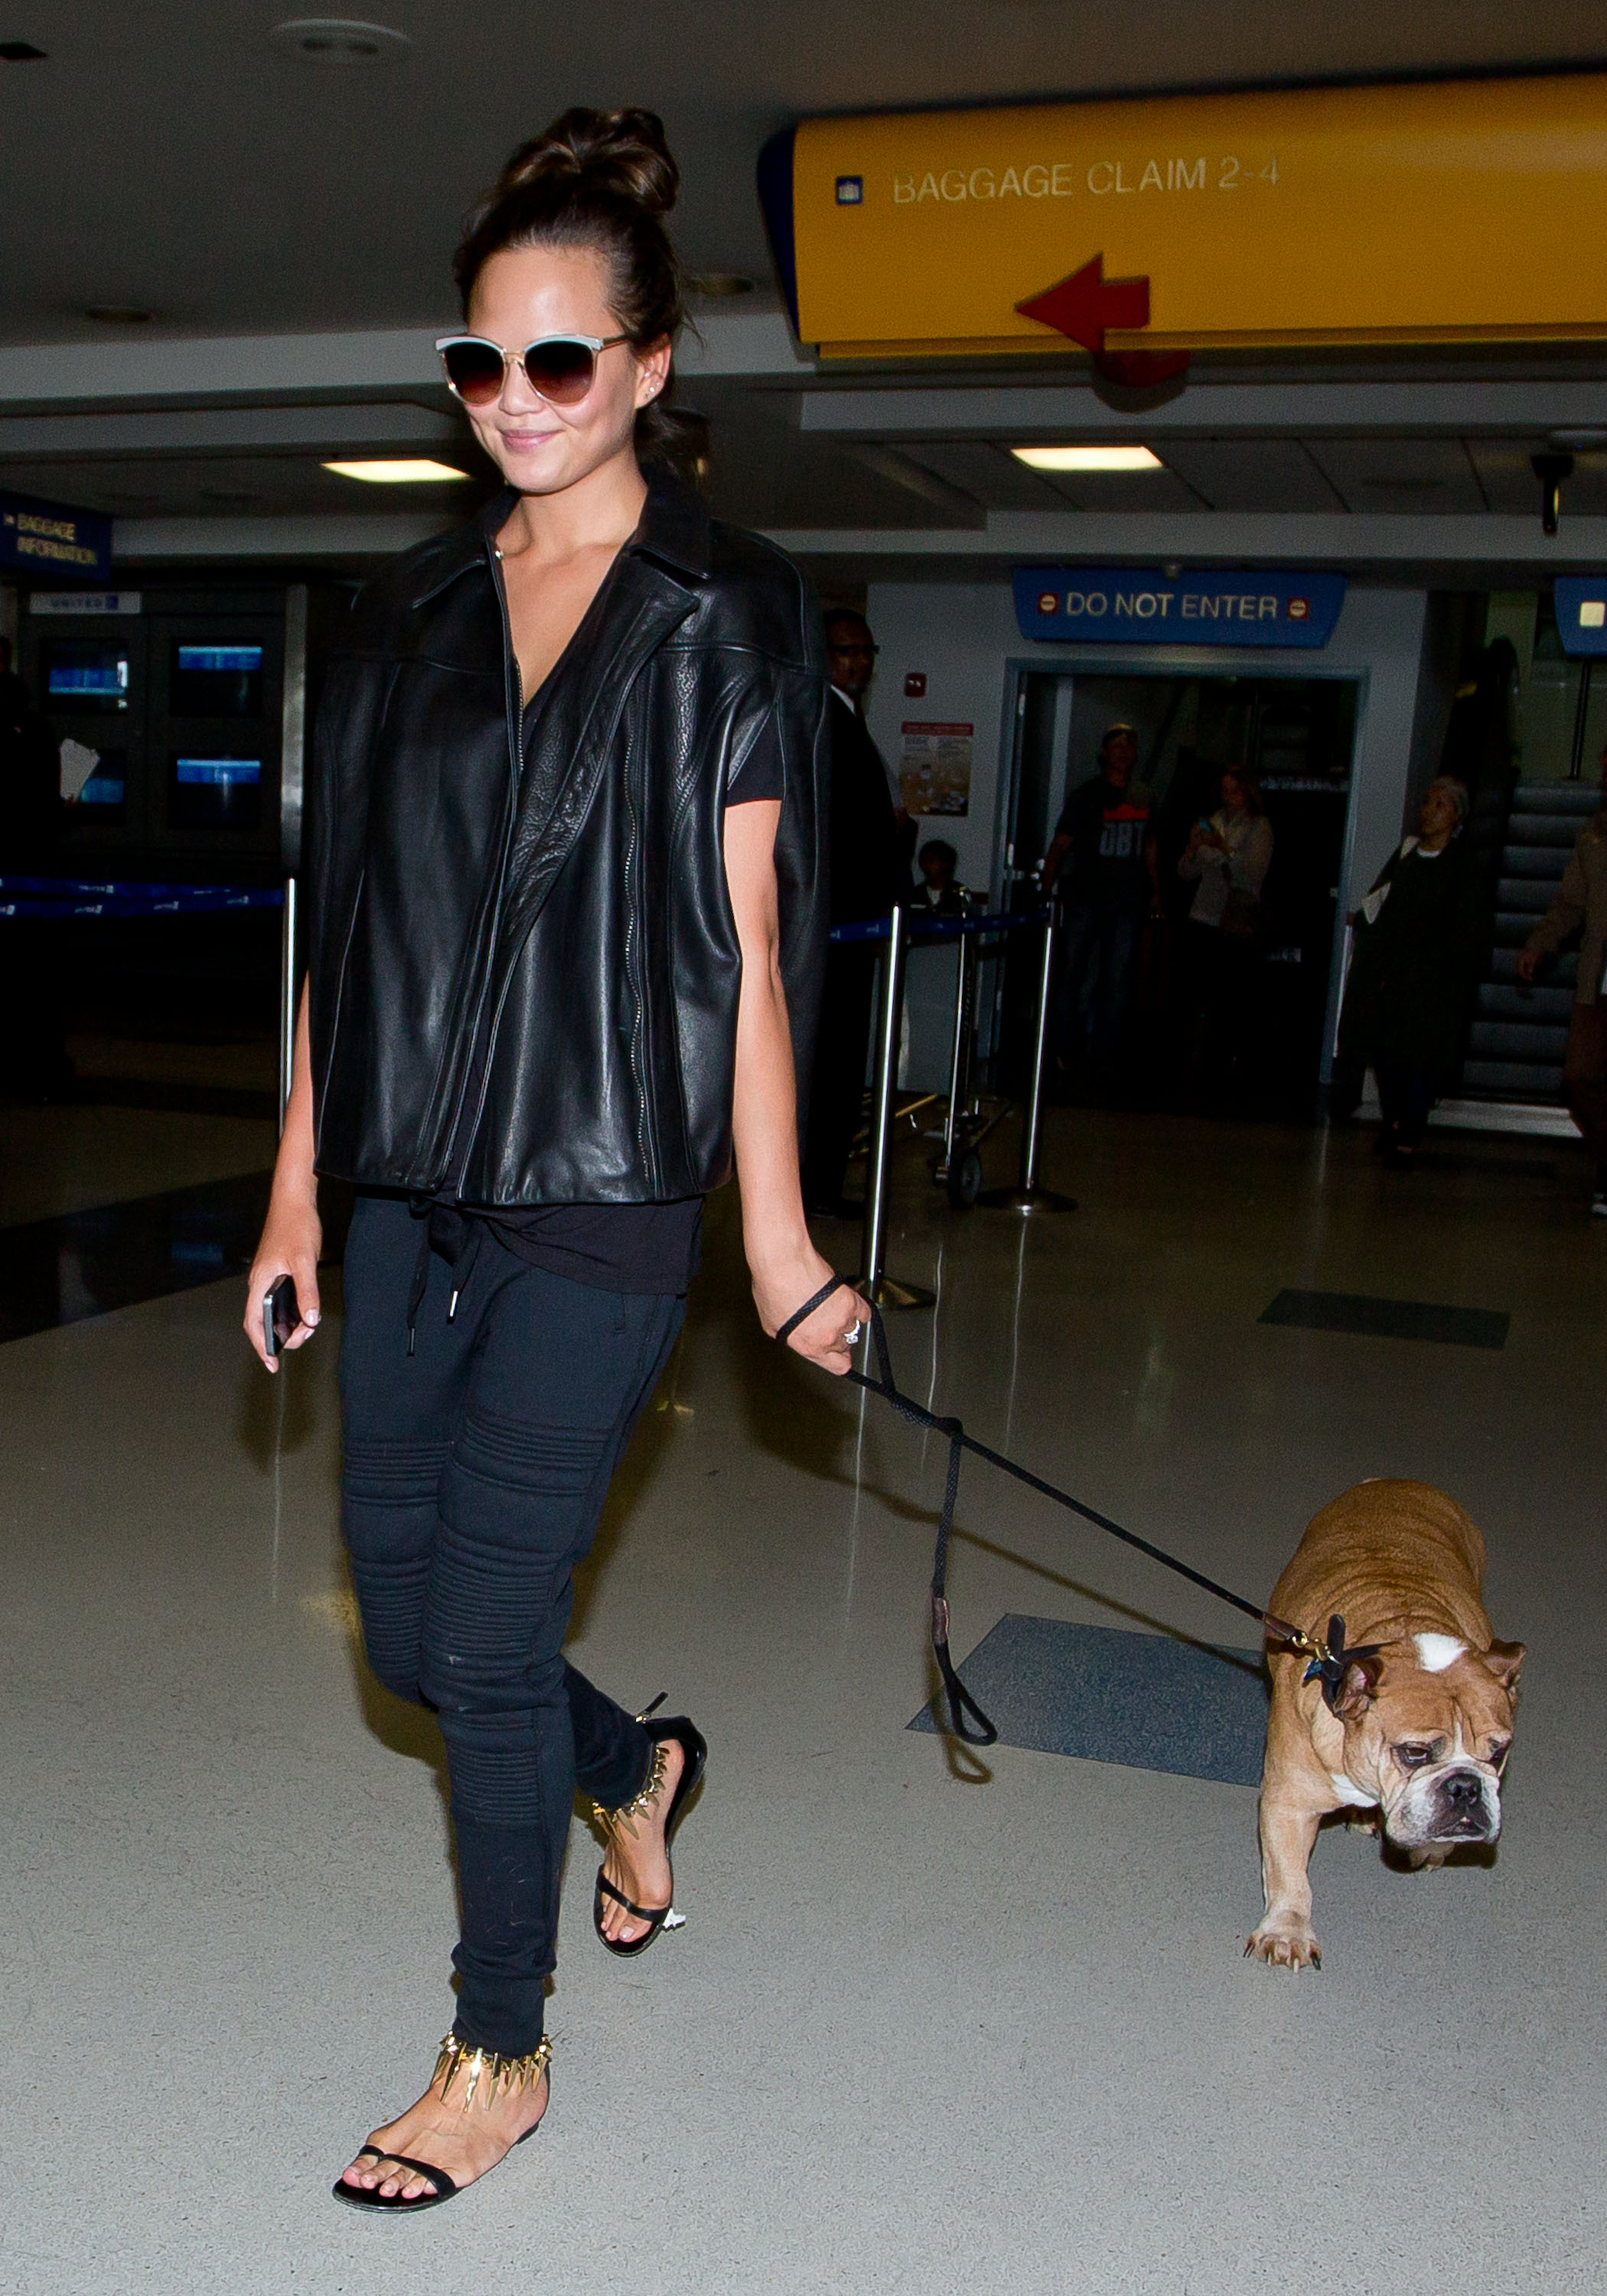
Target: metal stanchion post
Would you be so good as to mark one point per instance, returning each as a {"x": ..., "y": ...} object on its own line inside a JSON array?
[
  {"x": 1028, "y": 1197},
  {"x": 873, "y": 1282},
  {"x": 959, "y": 1066},
  {"x": 293, "y": 755},
  {"x": 288, "y": 984}
]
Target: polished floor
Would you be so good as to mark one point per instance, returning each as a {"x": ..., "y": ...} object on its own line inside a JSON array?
[{"x": 936, "y": 2021}]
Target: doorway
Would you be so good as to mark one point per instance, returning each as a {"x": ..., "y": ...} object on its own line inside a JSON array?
[{"x": 1295, "y": 738}]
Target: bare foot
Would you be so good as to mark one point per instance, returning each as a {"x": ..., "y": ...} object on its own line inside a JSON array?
[
  {"x": 464, "y": 2139},
  {"x": 637, "y": 1862}
]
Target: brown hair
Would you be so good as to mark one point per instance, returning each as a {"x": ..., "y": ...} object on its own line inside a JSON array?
[
  {"x": 1251, "y": 786},
  {"x": 603, "y": 180}
]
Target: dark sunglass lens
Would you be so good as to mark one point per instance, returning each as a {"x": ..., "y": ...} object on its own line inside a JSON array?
[
  {"x": 560, "y": 371},
  {"x": 474, "y": 371}
]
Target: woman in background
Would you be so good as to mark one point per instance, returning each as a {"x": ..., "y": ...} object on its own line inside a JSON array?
[
  {"x": 1420, "y": 938},
  {"x": 1227, "y": 858}
]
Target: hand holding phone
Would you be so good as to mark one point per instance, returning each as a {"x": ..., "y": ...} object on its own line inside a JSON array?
[{"x": 281, "y": 1317}]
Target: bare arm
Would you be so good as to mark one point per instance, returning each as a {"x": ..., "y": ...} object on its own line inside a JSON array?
[
  {"x": 292, "y": 1236},
  {"x": 1059, "y": 844},
  {"x": 784, "y": 1265}
]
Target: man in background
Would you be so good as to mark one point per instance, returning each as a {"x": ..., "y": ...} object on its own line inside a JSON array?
[
  {"x": 1101, "y": 862},
  {"x": 939, "y": 892},
  {"x": 1580, "y": 906},
  {"x": 868, "y": 878}
]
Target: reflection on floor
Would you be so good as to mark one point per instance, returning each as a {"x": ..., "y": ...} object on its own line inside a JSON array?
[
  {"x": 68, "y": 1157},
  {"x": 934, "y": 2021},
  {"x": 87, "y": 1263}
]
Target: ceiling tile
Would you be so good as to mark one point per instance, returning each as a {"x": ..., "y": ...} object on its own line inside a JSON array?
[
  {"x": 1420, "y": 477},
  {"x": 1124, "y": 490},
  {"x": 990, "y": 473},
  {"x": 1252, "y": 474}
]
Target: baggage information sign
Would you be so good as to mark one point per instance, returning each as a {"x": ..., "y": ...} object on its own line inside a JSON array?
[
  {"x": 51, "y": 538},
  {"x": 1460, "y": 211}
]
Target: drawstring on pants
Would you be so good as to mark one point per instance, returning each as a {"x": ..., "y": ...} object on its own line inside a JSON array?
[{"x": 455, "y": 1238}]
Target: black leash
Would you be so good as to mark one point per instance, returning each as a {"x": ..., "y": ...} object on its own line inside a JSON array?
[{"x": 1329, "y": 1659}]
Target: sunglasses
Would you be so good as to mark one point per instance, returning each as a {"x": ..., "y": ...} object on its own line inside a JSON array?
[{"x": 559, "y": 368}]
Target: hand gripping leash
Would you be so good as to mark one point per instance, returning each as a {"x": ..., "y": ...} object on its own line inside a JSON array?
[{"x": 1329, "y": 1658}]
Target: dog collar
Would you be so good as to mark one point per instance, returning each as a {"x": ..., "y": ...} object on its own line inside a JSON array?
[{"x": 1329, "y": 1659}]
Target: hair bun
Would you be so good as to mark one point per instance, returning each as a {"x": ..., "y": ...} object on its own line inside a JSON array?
[{"x": 622, "y": 153}]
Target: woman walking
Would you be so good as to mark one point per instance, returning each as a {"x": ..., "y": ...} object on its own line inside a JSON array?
[{"x": 565, "y": 946}]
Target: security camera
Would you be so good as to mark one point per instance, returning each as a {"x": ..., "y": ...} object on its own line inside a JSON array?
[{"x": 1551, "y": 470}]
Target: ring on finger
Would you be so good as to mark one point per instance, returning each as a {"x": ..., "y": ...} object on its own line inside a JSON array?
[{"x": 853, "y": 1334}]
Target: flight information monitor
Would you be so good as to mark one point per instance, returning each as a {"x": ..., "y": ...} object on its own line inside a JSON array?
[
  {"x": 82, "y": 675},
  {"x": 107, "y": 783},
  {"x": 215, "y": 792},
  {"x": 216, "y": 679}
]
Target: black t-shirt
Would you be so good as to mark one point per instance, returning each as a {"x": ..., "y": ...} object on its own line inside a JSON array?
[
  {"x": 633, "y": 1248},
  {"x": 1109, "y": 829}
]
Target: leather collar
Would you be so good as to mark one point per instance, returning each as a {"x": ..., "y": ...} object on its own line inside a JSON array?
[{"x": 674, "y": 528}]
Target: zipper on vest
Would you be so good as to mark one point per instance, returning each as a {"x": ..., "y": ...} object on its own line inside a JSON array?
[
  {"x": 460, "y": 1136},
  {"x": 635, "y": 978}
]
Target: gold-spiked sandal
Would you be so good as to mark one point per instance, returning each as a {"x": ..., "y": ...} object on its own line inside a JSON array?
[
  {"x": 498, "y": 2074},
  {"x": 678, "y": 1731}
]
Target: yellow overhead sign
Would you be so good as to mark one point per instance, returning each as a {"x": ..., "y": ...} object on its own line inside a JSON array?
[{"x": 1472, "y": 212}]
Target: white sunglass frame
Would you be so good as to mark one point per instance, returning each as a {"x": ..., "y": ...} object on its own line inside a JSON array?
[{"x": 595, "y": 344}]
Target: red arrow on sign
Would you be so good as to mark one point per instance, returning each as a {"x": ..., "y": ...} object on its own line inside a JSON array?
[{"x": 1084, "y": 305}]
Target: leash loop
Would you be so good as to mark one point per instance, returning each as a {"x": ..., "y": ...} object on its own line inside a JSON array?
[{"x": 802, "y": 1315}]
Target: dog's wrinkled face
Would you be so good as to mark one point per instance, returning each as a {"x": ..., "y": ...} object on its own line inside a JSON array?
[{"x": 1427, "y": 1724}]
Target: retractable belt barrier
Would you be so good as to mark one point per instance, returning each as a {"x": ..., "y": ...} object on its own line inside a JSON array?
[
  {"x": 40, "y": 899},
  {"x": 925, "y": 929},
  {"x": 966, "y": 1718}
]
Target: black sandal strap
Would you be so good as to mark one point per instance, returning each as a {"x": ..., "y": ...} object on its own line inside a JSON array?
[
  {"x": 642, "y": 1914},
  {"x": 803, "y": 1314},
  {"x": 445, "y": 2189}
]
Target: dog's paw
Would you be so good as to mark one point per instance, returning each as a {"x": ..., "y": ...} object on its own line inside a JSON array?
[{"x": 1284, "y": 1941}]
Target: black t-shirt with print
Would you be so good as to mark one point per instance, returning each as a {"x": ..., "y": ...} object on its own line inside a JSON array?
[{"x": 1109, "y": 829}]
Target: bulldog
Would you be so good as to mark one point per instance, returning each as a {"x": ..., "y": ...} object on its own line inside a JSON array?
[{"x": 1417, "y": 1722}]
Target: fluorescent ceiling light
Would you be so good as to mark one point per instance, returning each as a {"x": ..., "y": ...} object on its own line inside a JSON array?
[
  {"x": 1087, "y": 458},
  {"x": 394, "y": 472}
]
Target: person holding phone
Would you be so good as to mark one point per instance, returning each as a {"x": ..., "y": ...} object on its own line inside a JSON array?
[{"x": 566, "y": 937}]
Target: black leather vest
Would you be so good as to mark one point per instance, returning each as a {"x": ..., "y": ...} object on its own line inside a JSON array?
[{"x": 524, "y": 976}]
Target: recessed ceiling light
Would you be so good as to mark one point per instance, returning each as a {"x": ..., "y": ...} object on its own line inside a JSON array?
[
  {"x": 339, "y": 40},
  {"x": 1087, "y": 458},
  {"x": 396, "y": 472},
  {"x": 119, "y": 315},
  {"x": 721, "y": 283},
  {"x": 20, "y": 52}
]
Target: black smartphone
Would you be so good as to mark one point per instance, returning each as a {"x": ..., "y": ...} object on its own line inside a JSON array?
[{"x": 281, "y": 1314}]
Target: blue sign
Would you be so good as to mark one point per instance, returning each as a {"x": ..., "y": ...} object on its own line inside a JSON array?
[
  {"x": 51, "y": 538},
  {"x": 1105, "y": 606},
  {"x": 1580, "y": 601}
]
